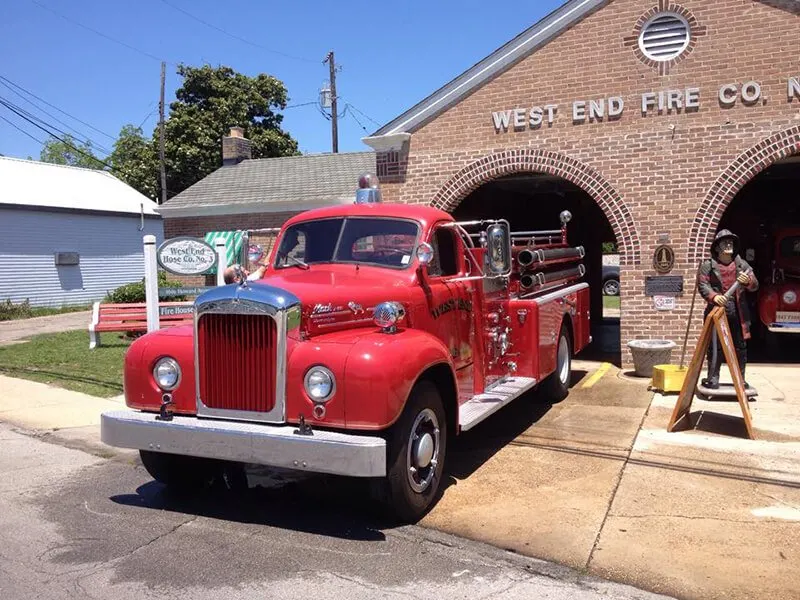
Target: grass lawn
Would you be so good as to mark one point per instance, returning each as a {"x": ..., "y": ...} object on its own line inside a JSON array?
[
  {"x": 13, "y": 312},
  {"x": 610, "y": 301},
  {"x": 64, "y": 360}
]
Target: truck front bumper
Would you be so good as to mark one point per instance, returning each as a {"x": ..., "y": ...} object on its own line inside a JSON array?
[{"x": 271, "y": 445}]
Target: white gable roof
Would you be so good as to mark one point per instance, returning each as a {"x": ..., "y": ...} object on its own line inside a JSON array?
[{"x": 33, "y": 183}]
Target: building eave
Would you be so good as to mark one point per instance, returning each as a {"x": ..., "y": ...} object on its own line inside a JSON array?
[
  {"x": 501, "y": 59},
  {"x": 241, "y": 208}
]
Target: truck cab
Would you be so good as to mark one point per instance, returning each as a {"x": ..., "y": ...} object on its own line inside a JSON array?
[{"x": 378, "y": 333}]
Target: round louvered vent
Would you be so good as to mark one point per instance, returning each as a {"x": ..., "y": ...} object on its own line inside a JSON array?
[{"x": 664, "y": 37}]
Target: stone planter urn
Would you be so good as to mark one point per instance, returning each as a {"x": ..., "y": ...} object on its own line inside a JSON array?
[{"x": 648, "y": 353}]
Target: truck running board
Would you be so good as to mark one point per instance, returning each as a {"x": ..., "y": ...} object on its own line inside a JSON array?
[{"x": 482, "y": 406}]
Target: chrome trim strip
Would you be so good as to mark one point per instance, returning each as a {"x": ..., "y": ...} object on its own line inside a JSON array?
[
  {"x": 251, "y": 299},
  {"x": 271, "y": 445},
  {"x": 794, "y": 329},
  {"x": 559, "y": 293}
]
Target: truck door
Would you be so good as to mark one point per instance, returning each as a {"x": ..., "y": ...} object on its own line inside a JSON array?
[{"x": 450, "y": 302}]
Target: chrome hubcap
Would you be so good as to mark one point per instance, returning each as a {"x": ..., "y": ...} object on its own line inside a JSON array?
[
  {"x": 564, "y": 366},
  {"x": 423, "y": 451}
]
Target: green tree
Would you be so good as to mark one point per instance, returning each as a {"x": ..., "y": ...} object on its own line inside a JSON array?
[
  {"x": 210, "y": 102},
  {"x": 66, "y": 152},
  {"x": 135, "y": 162}
]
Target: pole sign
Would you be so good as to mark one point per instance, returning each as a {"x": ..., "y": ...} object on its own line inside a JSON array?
[
  {"x": 186, "y": 256},
  {"x": 165, "y": 311},
  {"x": 171, "y": 292}
]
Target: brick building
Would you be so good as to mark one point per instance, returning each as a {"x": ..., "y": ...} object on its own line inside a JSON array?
[{"x": 655, "y": 122}]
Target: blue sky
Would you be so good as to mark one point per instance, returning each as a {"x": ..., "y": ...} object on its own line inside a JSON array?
[{"x": 391, "y": 54}]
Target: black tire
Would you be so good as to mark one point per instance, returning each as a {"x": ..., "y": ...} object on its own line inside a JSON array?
[
  {"x": 556, "y": 386},
  {"x": 397, "y": 492},
  {"x": 611, "y": 287},
  {"x": 190, "y": 473}
]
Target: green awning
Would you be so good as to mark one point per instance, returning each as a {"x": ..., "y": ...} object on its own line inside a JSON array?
[{"x": 233, "y": 245}]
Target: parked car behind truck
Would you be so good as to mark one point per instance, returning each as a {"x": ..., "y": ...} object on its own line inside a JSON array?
[{"x": 378, "y": 334}]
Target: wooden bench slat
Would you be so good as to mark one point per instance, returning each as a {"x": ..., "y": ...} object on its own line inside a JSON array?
[{"x": 132, "y": 317}]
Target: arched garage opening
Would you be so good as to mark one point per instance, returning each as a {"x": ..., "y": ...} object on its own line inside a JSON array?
[
  {"x": 764, "y": 211},
  {"x": 531, "y": 201}
]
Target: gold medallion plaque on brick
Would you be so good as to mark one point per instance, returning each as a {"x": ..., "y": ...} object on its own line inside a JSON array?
[{"x": 716, "y": 320}]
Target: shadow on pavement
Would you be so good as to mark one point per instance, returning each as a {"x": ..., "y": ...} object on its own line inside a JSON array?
[
  {"x": 472, "y": 449},
  {"x": 328, "y": 506}
]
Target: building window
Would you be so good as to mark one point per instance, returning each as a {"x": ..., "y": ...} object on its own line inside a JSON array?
[{"x": 664, "y": 37}]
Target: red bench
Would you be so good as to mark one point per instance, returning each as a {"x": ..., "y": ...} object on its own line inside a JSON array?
[{"x": 132, "y": 317}]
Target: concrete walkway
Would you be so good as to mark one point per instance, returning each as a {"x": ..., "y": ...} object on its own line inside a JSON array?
[
  {"x": 11, "y": 331},
  {"x": 70, "y": 418},
  {"x": 594, "y": 482}
]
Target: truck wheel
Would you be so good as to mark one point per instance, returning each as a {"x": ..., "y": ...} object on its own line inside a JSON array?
[
  {"x": 556, "y": 386},
  {"x": 415, "y": 455},
  {"x": 181, "y": 472}
]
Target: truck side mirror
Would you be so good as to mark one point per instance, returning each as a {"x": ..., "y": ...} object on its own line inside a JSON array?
[
  {"x": 498, "y": 250},
  {"x": 424, "y": 253}
]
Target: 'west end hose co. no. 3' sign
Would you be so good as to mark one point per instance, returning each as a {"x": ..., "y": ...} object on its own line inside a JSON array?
[{"x": 186, "y": 256}]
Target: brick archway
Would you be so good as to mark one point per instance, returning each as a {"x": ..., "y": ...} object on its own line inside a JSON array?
[
  {"x": 746, "y": 166},
  {"x": 508, "y": 162}
]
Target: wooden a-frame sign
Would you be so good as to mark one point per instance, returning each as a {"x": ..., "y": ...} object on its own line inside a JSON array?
[{"x": 716, "y": 320}]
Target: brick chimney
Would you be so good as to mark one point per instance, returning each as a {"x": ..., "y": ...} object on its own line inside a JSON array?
[{"x": 235, "y": 147}]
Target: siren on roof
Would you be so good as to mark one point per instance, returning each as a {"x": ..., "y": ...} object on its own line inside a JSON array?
[{"x": 369, "y": 189}]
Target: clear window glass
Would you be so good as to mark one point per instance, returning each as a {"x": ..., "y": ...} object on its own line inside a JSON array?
[{"x": 380, "y": 242}]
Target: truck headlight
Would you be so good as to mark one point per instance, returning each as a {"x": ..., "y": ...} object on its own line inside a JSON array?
[
  {"x": 387, "y": 314},
  {"x": 167, "y": 373},
  {"x": 789, "y": 297},
  {"x": 319, "y": 383}
]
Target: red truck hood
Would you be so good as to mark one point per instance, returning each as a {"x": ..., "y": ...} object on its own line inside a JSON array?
[{"x": 338, "y": 296}]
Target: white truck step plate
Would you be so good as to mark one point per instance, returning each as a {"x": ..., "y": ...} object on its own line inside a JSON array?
[{"x": 482, "y": 406}]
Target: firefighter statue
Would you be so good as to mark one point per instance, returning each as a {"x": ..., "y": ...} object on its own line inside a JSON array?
[{"x": 716, "y": 276}]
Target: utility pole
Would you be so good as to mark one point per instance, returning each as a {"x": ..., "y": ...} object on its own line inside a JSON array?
[
  {"x": 334, "y": 123},
  {"x": 161, "y": 136}
]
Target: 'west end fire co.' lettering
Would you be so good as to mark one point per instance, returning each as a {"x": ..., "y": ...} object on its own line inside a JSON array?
[{"x": 612, "y": 107}]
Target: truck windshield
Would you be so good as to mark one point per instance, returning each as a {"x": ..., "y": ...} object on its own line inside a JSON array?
[{"x": 381, "y": 242}]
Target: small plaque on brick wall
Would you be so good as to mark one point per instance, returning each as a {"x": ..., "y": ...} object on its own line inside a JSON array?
[{"x": 664, "y": 285}]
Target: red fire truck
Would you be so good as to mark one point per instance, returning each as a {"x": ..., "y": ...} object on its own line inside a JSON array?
[
  {"x": 378, "y": 333},
  {"x": 779, "y": 296}
]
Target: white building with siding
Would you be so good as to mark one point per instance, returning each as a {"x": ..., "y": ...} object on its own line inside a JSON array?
[{"x": 69, "y": 235}]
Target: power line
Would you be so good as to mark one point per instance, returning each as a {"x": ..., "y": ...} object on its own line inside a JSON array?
[
  {"x": 233, "y": 35},
  {"x": 66, "y": 143},
  {"x": 346, "y": 106},
  {"x": 100, "y": 33},
  {"x": 55, "y": 107},
  {"x": 27, "y": 113},
  {"x": 21, "y": 130},
  {"x": 363, "y": 115},
  {"x": 299, "y": 105},
  {"x": 147, "y": 117},
  {"x": 47, "y": 113}
]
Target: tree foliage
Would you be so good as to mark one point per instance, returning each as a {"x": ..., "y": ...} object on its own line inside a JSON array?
[
  {"x": 210, "y": 102},
  {"x": 135, "y": 161},
  {"x": 69, "y": 152}
]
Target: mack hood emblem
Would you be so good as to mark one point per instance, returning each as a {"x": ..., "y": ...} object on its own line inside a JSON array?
[
  {"x": 322, "y": 309},
  {"x": 355, "y": 307}
]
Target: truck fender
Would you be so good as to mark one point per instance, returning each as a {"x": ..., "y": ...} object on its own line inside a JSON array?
[{"x": 381, "y": 370}]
